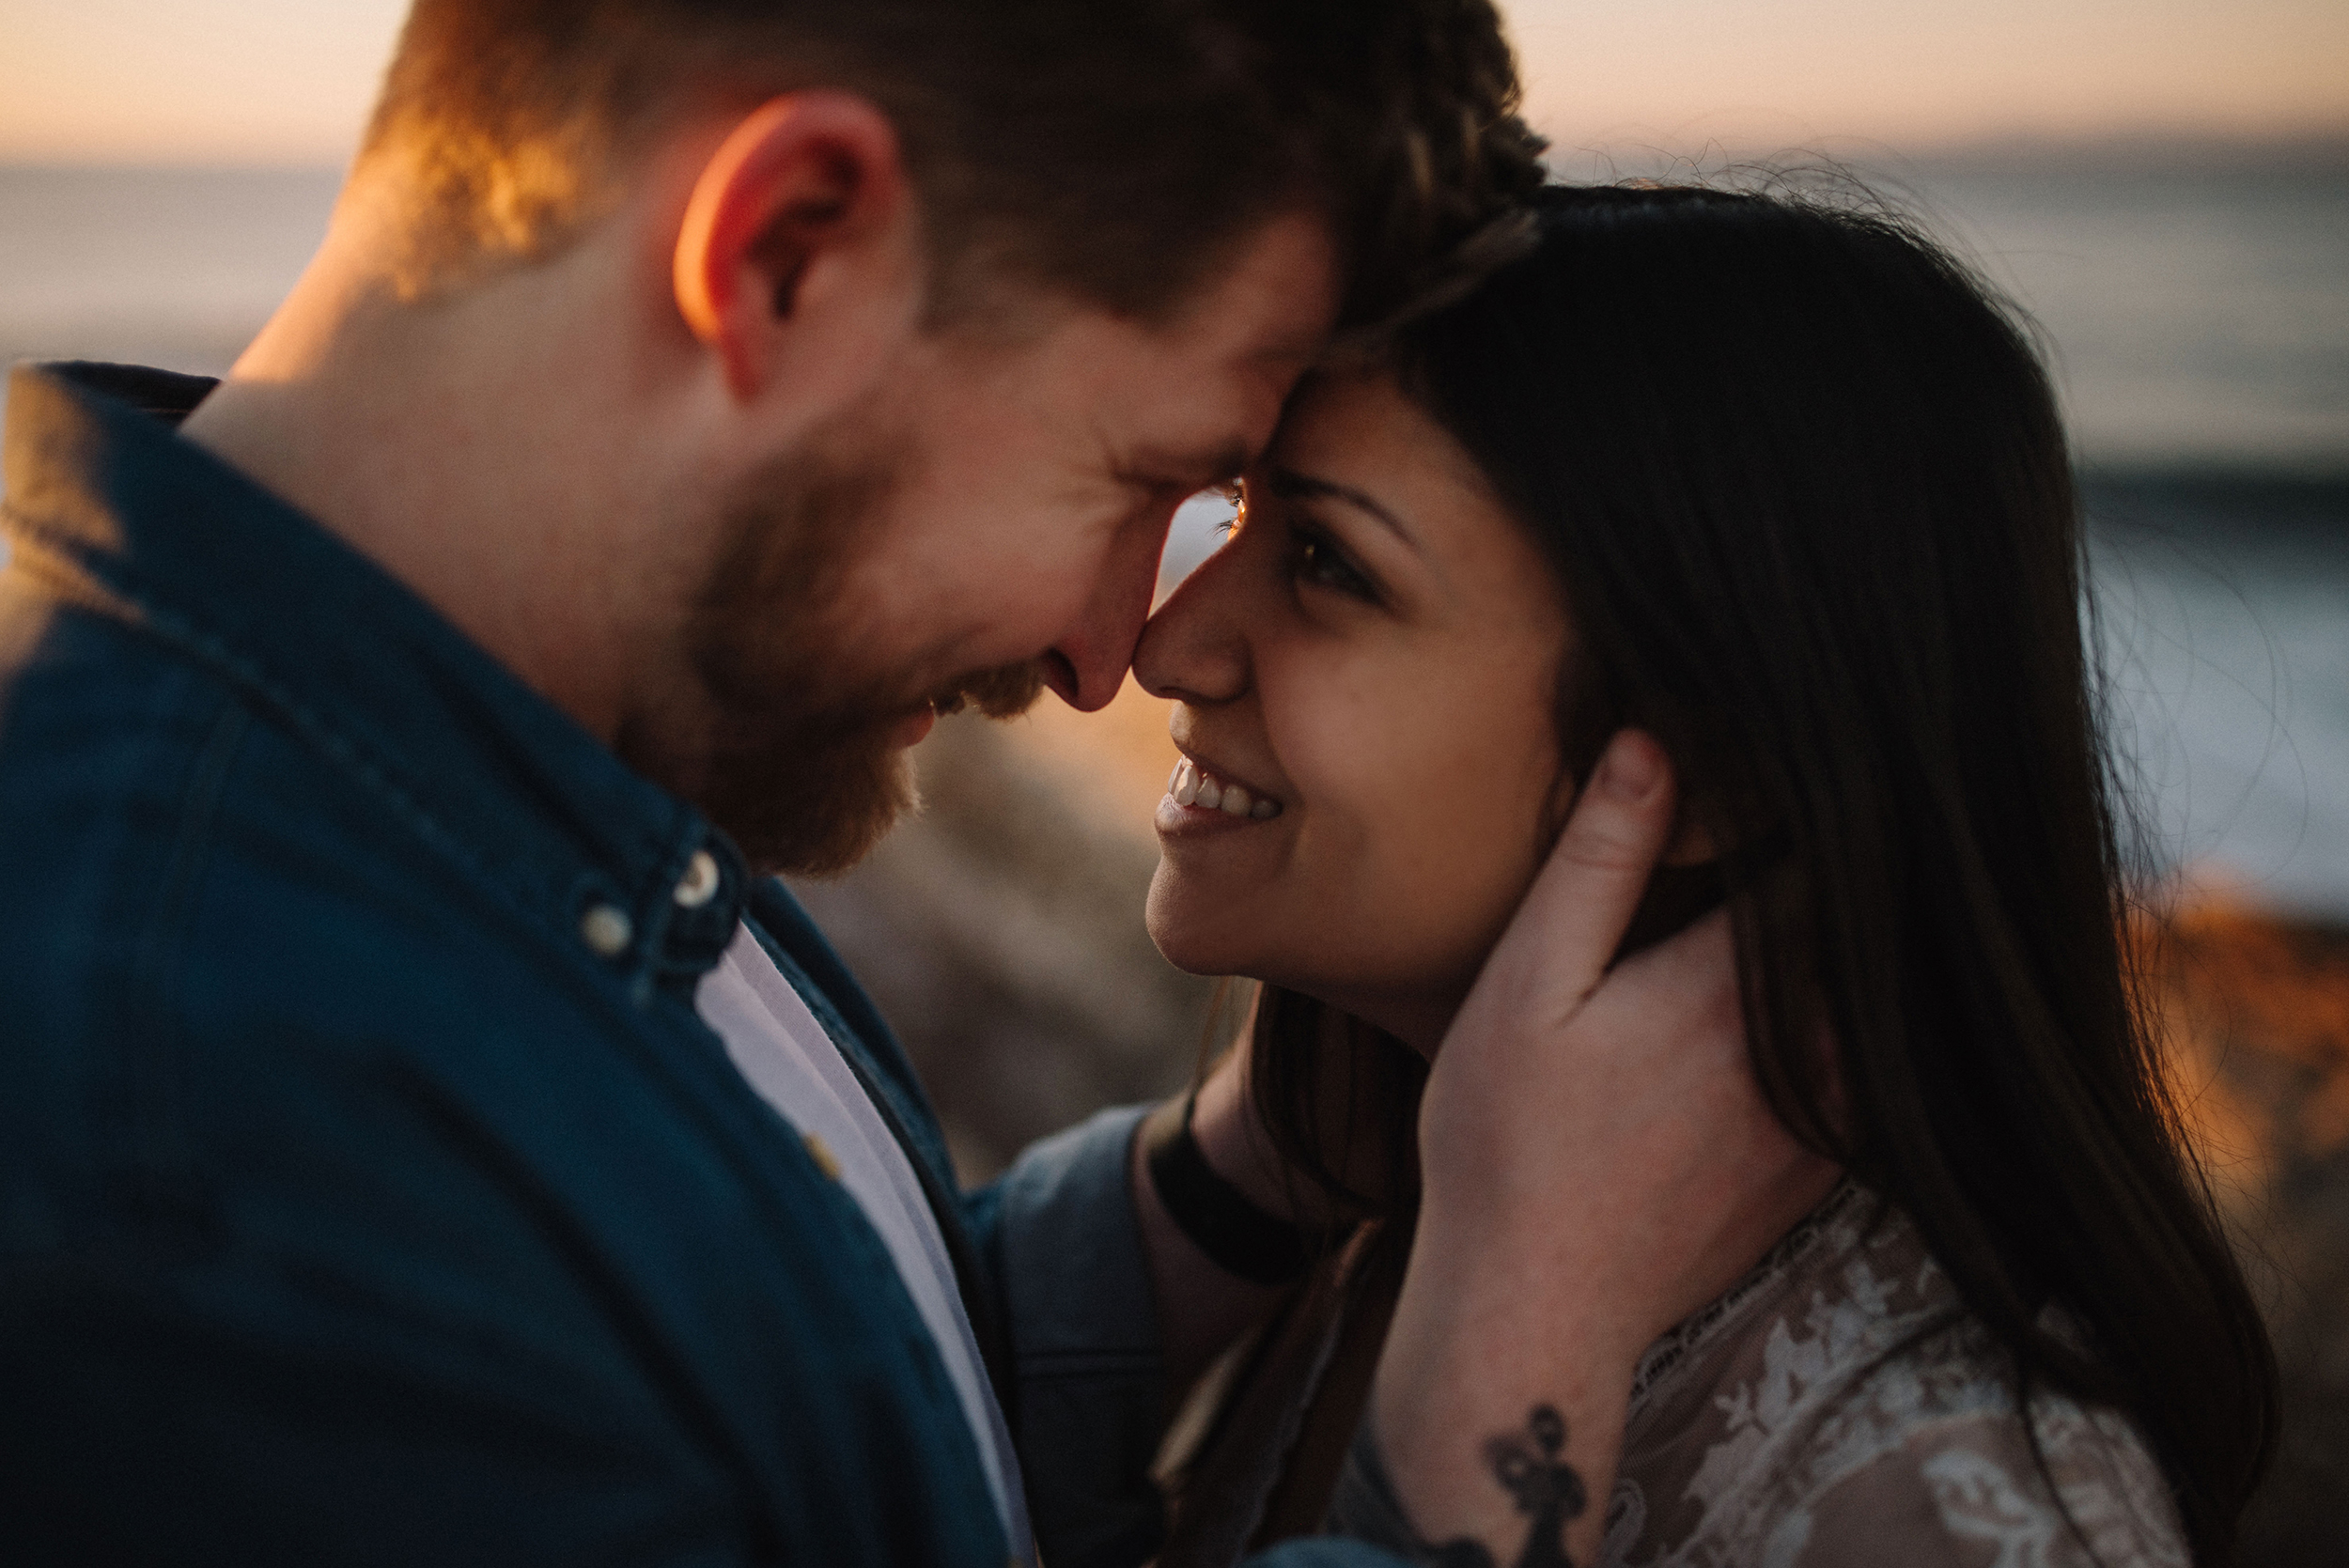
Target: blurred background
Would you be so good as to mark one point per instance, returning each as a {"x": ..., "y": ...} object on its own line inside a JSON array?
[{"x": 2163, "y": 184}]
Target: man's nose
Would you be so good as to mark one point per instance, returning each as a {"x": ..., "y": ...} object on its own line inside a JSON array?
[{"x": 1088, "y": 665}]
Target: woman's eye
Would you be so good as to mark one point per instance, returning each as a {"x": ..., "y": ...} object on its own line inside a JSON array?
[{"x": 1315, "y": 559}]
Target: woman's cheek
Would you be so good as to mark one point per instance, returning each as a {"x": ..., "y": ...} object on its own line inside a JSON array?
[
  {"x": 1477, "y": 803},
  {"x": 1450, "y": 895},
  {"x": 1339, "y": 717}
]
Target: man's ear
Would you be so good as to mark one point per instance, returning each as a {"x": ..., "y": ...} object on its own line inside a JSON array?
[{"x": 800, "y": 230}]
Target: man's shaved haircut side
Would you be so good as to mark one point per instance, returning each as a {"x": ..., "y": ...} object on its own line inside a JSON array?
[{"x": 1111, "y": 150}]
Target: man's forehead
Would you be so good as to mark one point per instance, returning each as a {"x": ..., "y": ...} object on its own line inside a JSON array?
[
  {"x": 1205, "y": 427},
  {"x": 1193, "y": 398},
  {"x": 1275, "y": 305}
]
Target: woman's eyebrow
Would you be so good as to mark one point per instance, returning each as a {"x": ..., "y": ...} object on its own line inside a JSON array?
[{"x": 1290, "y": 485}]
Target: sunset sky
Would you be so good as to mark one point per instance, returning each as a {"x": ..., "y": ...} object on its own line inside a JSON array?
[{"x": 287, "y": 81}]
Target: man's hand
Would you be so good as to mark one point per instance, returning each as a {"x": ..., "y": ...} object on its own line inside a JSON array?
[{"x": 1597, "y": 1162}]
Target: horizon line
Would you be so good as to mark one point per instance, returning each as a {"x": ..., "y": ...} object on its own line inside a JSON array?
[{"x": 2192, "y": 147}]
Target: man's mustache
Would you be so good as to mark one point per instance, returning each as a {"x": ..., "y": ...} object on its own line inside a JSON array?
[{"x": 1004, "y": 692}]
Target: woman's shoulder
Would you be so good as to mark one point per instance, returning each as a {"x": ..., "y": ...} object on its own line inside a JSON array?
[
  {"x": 1937, "y": 1463},
  {"x": 1841, "y": 1405}
]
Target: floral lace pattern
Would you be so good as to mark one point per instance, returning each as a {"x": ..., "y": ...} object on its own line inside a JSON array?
[{"x": 1839, "y": 1407}]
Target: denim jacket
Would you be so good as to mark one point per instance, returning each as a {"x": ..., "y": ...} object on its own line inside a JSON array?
[{"x": 360, "y": 1199}]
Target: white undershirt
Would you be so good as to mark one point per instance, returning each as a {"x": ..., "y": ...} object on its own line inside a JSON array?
[{"x": 792, "y": 1063}]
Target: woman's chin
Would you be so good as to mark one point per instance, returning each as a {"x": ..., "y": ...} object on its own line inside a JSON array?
[
  {"x": 1198, "y": 936},
  {"x": 1191, "y": 951}
]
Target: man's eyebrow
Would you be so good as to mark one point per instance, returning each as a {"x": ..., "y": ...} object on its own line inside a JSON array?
[
  {"x": 1290, "y": 485},
  {"x": 1200, "y": 466}
]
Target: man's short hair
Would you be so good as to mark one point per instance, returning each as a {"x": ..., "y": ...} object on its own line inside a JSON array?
[{"x": 1110, "y": 149}]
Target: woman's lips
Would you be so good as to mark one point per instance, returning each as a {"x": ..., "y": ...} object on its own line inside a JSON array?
[{"x": 1198, "y": 796}]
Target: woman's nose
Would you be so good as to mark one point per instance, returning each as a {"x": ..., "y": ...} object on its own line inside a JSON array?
[{"x": 1194, "y": 649}]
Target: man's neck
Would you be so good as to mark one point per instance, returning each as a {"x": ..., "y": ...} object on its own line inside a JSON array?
[{"x": 478, "y": 449}]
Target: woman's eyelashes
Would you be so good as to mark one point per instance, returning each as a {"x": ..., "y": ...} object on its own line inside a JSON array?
[{"x": 1317, "y": 561}]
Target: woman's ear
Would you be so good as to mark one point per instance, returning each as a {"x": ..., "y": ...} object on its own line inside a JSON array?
[{"x": 800, "y": 236}]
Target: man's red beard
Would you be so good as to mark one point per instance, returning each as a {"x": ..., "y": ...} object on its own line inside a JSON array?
[
  {"x": 797, "y": 764},
  {"x": 810, "y": 791}
]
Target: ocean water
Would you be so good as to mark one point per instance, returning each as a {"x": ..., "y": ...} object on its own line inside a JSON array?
[
  {"x": 2197, "y": 317},
  {"x": 2222, "y": 604},
  {"x": 171, "y": 267}
]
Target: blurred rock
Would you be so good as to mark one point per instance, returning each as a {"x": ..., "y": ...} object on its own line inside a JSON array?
[
  {"x": 1001, "y": 931},
  {"x": 2257, "y": 1014}
]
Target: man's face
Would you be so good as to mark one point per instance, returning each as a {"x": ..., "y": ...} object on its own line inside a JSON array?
[{"x": 988, "y": 521}]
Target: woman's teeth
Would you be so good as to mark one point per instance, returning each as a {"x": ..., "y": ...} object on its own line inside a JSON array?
[{"x": 1191, "y": 787}]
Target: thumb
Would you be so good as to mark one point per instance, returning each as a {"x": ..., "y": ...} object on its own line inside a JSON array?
[{"x": 1573, "y": 917}]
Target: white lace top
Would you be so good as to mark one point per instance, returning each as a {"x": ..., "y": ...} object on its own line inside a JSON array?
[{"x": 1840, "y": 1407}]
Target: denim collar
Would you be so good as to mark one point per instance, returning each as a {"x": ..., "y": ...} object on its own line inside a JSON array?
[{"x": 113, "y": 513}]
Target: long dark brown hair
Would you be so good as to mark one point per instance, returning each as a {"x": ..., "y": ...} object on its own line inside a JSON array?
[{"x": 1806, "y": 494}]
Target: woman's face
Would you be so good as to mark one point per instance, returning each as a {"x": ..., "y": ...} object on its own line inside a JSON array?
[{"x": 1375, "y": 651}]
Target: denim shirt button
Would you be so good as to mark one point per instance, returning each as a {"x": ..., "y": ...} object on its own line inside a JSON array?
[
  {"x": 821, "y": 1152},
  {"x": 699, "y": 884},
  {"x": 607, "y": 930}
]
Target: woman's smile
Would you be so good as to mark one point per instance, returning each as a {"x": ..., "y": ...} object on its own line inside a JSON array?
[{"x": 1203, "y": 800}]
